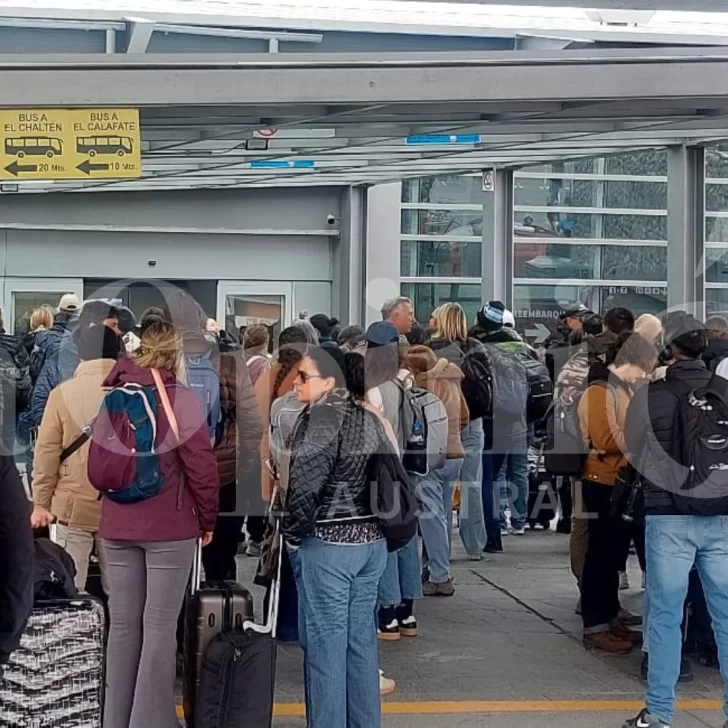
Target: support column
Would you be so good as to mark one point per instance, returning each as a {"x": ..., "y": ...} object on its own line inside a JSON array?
[
  {"x": 498, "y": 236},
  {"x": 686, "y": 229},
  {"x": 349, "y": 257}
]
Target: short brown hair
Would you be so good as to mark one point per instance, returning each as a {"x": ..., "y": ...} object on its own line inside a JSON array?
[
  {"x": 161, "y": 348},
  {"x": 256, "y": 337},
  {"x": 420, "y": 359}
]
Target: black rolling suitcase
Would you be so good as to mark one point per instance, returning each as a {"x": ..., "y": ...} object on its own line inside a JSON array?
[
  {"x": 541, "y": 496},
  {"x": 55, "y": 679},
  {"x": 212, "y": 609},
  {"x": 238, "y": 672}
]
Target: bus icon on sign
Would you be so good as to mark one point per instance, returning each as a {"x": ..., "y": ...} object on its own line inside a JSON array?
[
  {"x": 21, "y": 147},
  {"x": 93, "y": 146}
]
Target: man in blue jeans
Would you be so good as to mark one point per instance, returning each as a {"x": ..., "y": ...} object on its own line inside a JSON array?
[{"x": 683, "y": 528}]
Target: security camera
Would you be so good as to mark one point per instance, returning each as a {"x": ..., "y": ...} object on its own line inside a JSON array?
[{"x": 331, "y": 219}]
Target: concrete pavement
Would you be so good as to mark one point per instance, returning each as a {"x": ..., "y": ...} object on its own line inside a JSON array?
[{"x": 506, "y": 644}]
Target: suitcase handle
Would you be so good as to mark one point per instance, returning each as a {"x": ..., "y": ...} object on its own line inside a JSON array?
[
  {"x": 271, "y": 625},
  {"x": 196, "y": 581}
]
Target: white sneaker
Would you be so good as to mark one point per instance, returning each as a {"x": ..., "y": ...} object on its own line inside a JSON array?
[
  {"x": 386, "y": 685},
  {"x": 519, "y": 531},
  {"x": 623, "y": 581}
]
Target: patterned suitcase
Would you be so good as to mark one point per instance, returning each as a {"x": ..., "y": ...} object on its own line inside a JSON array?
[{"x": 56, "y": 677}]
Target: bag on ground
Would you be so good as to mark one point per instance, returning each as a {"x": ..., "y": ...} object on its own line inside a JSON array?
[{"x": 237, "y": 678}]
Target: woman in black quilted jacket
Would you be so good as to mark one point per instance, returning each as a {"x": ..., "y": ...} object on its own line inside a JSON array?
[{"x": 340, "y": 548}]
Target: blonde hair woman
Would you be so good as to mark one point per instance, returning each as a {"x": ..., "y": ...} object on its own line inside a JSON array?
[
  {"x": 150, "y": 544},
  {"x": 648, "y": 327},
  {"x": 40, "y": 322},
  {"x": 451, "y": 341},
  {"x": 41, "y": 319}
]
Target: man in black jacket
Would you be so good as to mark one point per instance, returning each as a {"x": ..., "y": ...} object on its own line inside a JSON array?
[
  {"x": 15, "y": 384},
  {"x": 16, "y": 565},
  {"x": 675, "y": 538}
]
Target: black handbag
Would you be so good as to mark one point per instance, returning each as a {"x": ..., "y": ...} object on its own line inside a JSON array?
[{"x": 628, "y": 497}]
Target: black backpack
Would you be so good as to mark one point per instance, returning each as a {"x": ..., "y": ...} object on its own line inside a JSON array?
[
  {"x": 394, "y": 500},
  {"x": 54, "y": 572},
  {"x": 701, "y": 437},
  {"x": 540, "y": 388},
  {"x": 477, "y": 384}
]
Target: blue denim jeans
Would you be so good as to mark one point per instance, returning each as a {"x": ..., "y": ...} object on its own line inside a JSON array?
[
  {"x": 674, "y": 543},
  {"x": 435, "y": 490},
  {"x": 472, "y": 521},
  {"x": 338, "y": 593},
  {"x": 492, "y": 464},
  {"x": 512, "y": 479},
  {"x": 402, "y": 577}
]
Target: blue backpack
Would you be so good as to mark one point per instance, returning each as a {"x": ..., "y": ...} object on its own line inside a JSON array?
[
  {"x": 123, "y": 463},
  {"x": 203, "y": 381}
]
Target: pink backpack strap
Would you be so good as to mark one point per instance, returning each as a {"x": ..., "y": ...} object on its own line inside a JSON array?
[{"x": 164, "y": 397}]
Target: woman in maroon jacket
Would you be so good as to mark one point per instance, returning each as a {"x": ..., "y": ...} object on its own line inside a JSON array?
[{"x": 150, "y": 544}]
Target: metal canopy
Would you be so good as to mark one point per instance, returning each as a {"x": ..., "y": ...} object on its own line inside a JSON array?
[{"x": 310, "y": 120}]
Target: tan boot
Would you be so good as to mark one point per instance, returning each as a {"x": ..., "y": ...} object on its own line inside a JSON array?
[{"x": 607, "y": 642}]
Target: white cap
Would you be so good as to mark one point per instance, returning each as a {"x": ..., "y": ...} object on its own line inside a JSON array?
[
  {"x": 509, "y": 319},
  {"x": 69, "y": 303}
]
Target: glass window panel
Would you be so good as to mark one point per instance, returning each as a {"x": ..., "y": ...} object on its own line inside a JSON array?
[
  {"x": 442, "y": 222},
  {"x": 716, "y": 265},
  {"x": 716, "y": 301},
  {"x": 591, "y": 193},
  {"x": 644, "y": 164},
  {"x": 596, "y": 225},
  {"x": 25, "y": 302},
  {"x": 716, "y": 197},
  {"x": 578, "y": 166},
  {"x": 428, "y": 296},
  {"x": 716, "y": 229},
  {"x": 434, "y": 258},
  {"x": 444, "y": 190},
  {"x": 634, "y": 263},
  {"x": 538, "y": 306},
  {"x": 639, "y": 299},
  {"x": 716, "y": 161},
  {"x": 554, "y": 260}
]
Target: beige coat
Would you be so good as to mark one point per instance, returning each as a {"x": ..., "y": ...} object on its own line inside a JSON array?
[{"x": 64, "y": 489}]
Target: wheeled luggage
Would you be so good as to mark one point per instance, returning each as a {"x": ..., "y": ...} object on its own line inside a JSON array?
[
  {"x": 542, "y": 499},
  {"x": 212, "y": 609},
  {"x": 238, "y": 670},
  {"x": 55, "y": 679}
]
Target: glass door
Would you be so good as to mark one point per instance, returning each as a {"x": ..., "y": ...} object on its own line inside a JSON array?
[
  {"x": 241, "y": 304},
  {"x": 21, "y": 296}
]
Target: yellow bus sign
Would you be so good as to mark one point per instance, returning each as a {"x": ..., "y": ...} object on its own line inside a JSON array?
[{"x": 48, "y": 144}]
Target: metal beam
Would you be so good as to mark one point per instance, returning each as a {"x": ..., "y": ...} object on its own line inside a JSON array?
[
  {"x": 686, "y": 229},
  {"x": 139, "y": 32},
  {"x": 497, "y": 282},
  {"x": 349, "y": 259}
]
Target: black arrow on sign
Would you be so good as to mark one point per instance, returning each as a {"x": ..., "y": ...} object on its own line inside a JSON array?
[
  {"x": 15, "y": 169},
  {"x": 87, "y": 167}
]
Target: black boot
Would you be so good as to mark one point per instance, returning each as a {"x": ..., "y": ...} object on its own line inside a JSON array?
[{"x": 494, "y": 544}]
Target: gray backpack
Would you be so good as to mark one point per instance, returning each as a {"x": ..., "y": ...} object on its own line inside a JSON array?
[{"x": 423, "y": 421}]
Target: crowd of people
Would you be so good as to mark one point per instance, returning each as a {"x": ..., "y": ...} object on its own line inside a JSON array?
[{"x": 305, "y": 425}]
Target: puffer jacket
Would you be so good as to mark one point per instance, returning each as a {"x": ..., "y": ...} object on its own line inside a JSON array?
[
  {"x": 444, "y": 381},
  {"x": 331, "y": 453},
  {"x": 239, "y": 442},
  {"x": 64, "y": 488},
  {"x": 650, "y": 431},
  {"x": 602, "y": 414}
]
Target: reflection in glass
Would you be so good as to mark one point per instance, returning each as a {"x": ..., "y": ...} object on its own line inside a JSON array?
[
  {"x": 435, "y": 258},
  {"x": 25, "y": 302},
  {"x": 716, "y": 301},
  {"x": 639, "y": 299},
  {"x": 442, "y": 222},
  {"x": 444, "y": 190},
  {"x": 592, "y": 225},
  {"x": 243, "y": 310},
  {"x": 428, "y": 296},
  {"x": 716, "y": 265},
  {"x": 554, "y": 260},
  {"x": 634, "y": 263}
]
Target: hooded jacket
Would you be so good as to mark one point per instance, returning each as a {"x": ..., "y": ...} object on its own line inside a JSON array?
[
  {"x": 602, "y": 415},
  {"x": 188, "y": 501},
  {"x": 717, "y": 351},
  {"x": 64, "y": 488},
  {"x": 651, "y": 434},
  {"x": 444, "y": 381}
]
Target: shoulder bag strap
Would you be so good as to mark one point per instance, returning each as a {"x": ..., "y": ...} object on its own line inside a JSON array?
[
  {"x": 164, "y": 397},
  {"x": 77, "y": 444}
]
